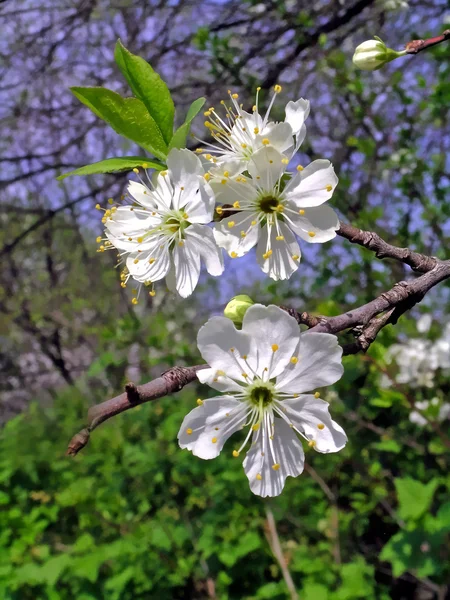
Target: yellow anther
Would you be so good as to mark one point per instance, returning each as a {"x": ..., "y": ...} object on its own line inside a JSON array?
[
  {"x": 329, "y": 188},
  {"x": 285, "y": 161},
  {"x": 271, "y": 162},
  {"x": 320, "y": 426},
  {"x": 123, "y": 284},
  {"x": 231, "y": 224},
  {"x": 256, "y": 130},
  {"x": 300, "y": 168},
  {"x": 140, "y": 240},
  {"x": 275, "y": 347},
  {"x": 98, "y": 239},
  {"x": 136, "y": 260},
  {"x": 134, "y": 301},
  {"x": 295, "y": 257},
  {"x": 311, "y": 234},
  {"x": 277, "y": 89},
  {"x": 244, "y": 356},
  {"x": 231, "y": 349},
  {"x": 208, "y": 125},
  {"x": 219, "y": 210},
  {"x": 280, "y": 238},
  {"x": 266, "y": 141},
  {"x": 301, "y": 212},
  {"x": 311, "y": 443},
  {"x": 185, "y": 216},
  {"x": 233, "y": 255},
  {"x": 98, "y": 207},
  {"x": 151, "y": 260},
  {"x": 280, "y": 208},
  {"x": 199, "y": 401},
  {"x": 226, "y": 173},
  {"x": 236, "y": 204},
  {"x": 317, "y": 395},
  {"x": 220, "y": 373},
  {"x": 208, "y": 156},
  {"x": 103, "y": 220},
  {"x": 244, "y": 146},
  {"x": 254, "y": 108},
  {"x": 207, "y": 113},
  {"x": 235, "y": 453},
  {"x": 214, "y": 440},
  {"x": 244, "y": 375},
  {"x": 207, "y": 176},
  {"x": 253, "y": 223},
  {"x": 113, "y": 209},
  {"x": 294, "y": 360},
  {"x": 189, "y": 431},
  {"x": 295, "y": 395},
  {"x": 276, "y": 466},
  {"x": 135, "y": 170},
  {"x": 152, "y": 293},
  {"x": 258, "y": 476},
  {"x": 243, "y": 234},
  {"x": 181, "y": 243},
  {"x": 181, "y": 187},
  {"x": 235, "y": 96},
  {"x": 255, "y": 427},
  {"x": 223, "y": 181},
  {"x": 145, "y": 165}
]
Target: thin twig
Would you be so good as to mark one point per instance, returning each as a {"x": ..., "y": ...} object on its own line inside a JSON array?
[
  {"x": 275, "y": 546},
  {"x": 416, "y": 46}
]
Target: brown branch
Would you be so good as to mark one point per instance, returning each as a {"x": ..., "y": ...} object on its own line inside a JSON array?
[
  {"x": 372, "y": 241},
  {"x": 274, "y": 543},
  {"x": 416, "y": 46},
  {"x": 169, "y": 382}
]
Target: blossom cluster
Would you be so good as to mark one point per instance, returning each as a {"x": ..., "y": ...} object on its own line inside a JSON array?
[{"x": 235, "y": 193}]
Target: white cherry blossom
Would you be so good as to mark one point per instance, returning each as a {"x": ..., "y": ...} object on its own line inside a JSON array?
[
  {"x": 269, "y": 210},
  {"x": 266, "y": 372},
  {"x": 164, "y": 233},
  {"x": 238, "y": 134}
]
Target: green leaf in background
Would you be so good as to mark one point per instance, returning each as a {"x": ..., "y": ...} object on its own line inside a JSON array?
[
  {"x": 180, "y": 135},
  {"x": 413, "y": 550},
  {"x": 148, "y": 86},
  {"x": 114, "y": 165},
  {"x": 127, "y": 116},
  {"x": 414, "y": 497}
]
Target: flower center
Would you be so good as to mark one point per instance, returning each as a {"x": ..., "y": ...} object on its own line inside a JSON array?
[
  {"x": 174, "y": 221},
  {"x": 268, "y": 204},
  {"x": 261, "y": 394}
]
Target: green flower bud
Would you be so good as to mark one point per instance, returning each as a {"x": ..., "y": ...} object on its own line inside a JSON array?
[
  {"x": 237, "y": 307},
  {"x": 373, "y": 54}
]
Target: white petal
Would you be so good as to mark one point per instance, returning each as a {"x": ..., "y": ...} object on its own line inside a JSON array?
[
  {"x": 280, "y": 264},
  {"x": 319, "y": 364},
  {"x": 205, "y": 429},
  {"x": 184, "y": 168},
  {"x": 199, "y": 205},
  {"x": 266, "y": 167},
  {"x": 280, "y": 137},
  {"x": 312, "y": 186},
  {"x": 219, "y": 382},
  {"x": 296, "y": 115},
  {"x": 187, "y": 267},
  {"x": 287, "y": 452},
  {"x": 202, "y": 239},
  {"x": 231, "y": 166},
  {"x": 321, "y": 221},
  {"x": 310, "y": 415},
  {"x": 216, "y": 339},
  {"x": 268, "y": 326},
  {"x": 143, "y": 270},
  {"x": 228, "y": 233},
  {"x": 141, "y": 194}
]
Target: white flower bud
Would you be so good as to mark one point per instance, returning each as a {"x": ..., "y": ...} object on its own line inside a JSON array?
[{"x": 373, "y": 54}]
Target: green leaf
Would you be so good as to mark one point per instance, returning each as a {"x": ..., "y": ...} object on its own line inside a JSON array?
[
  {"x": 128, "y": 116},
  {"x": 180, "y": 135},
  {"x": 414, "y": 497},
  {"x": 414, "y": 550},
  {"x": 114, "y": 165},
  {"x": 148, "y": 86}
]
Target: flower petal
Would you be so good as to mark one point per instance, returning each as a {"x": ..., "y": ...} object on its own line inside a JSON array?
[
  {"x": 216, "y": 339},
  {"x": 281, "y": 263},
  {"x": 236, "y": 233},
  {"x": 275, "y": 334},
  {"x": 312, "y": 186},
  {"x": 219, "y": 382},
  {"x": 266, "y": 167},
  {"x": 141, "y": 194},
  {"x": 296, "y": 115},
  {"x": 310, "y": 416},
  {"x": 184, "y": 168},
  {"x": 319, "y": 364},
  {"x": 202, "y": 239},
  {"x": 199, "y": 204},
  {"x": 279, "y": 136},
  {"x": 205, "y": 429},
  {"x": 284, "y": 450},
  {"x": 149, "y": 265},
  {"x": 187, "y": 267},
  {"x": 321, "y": 221}
]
